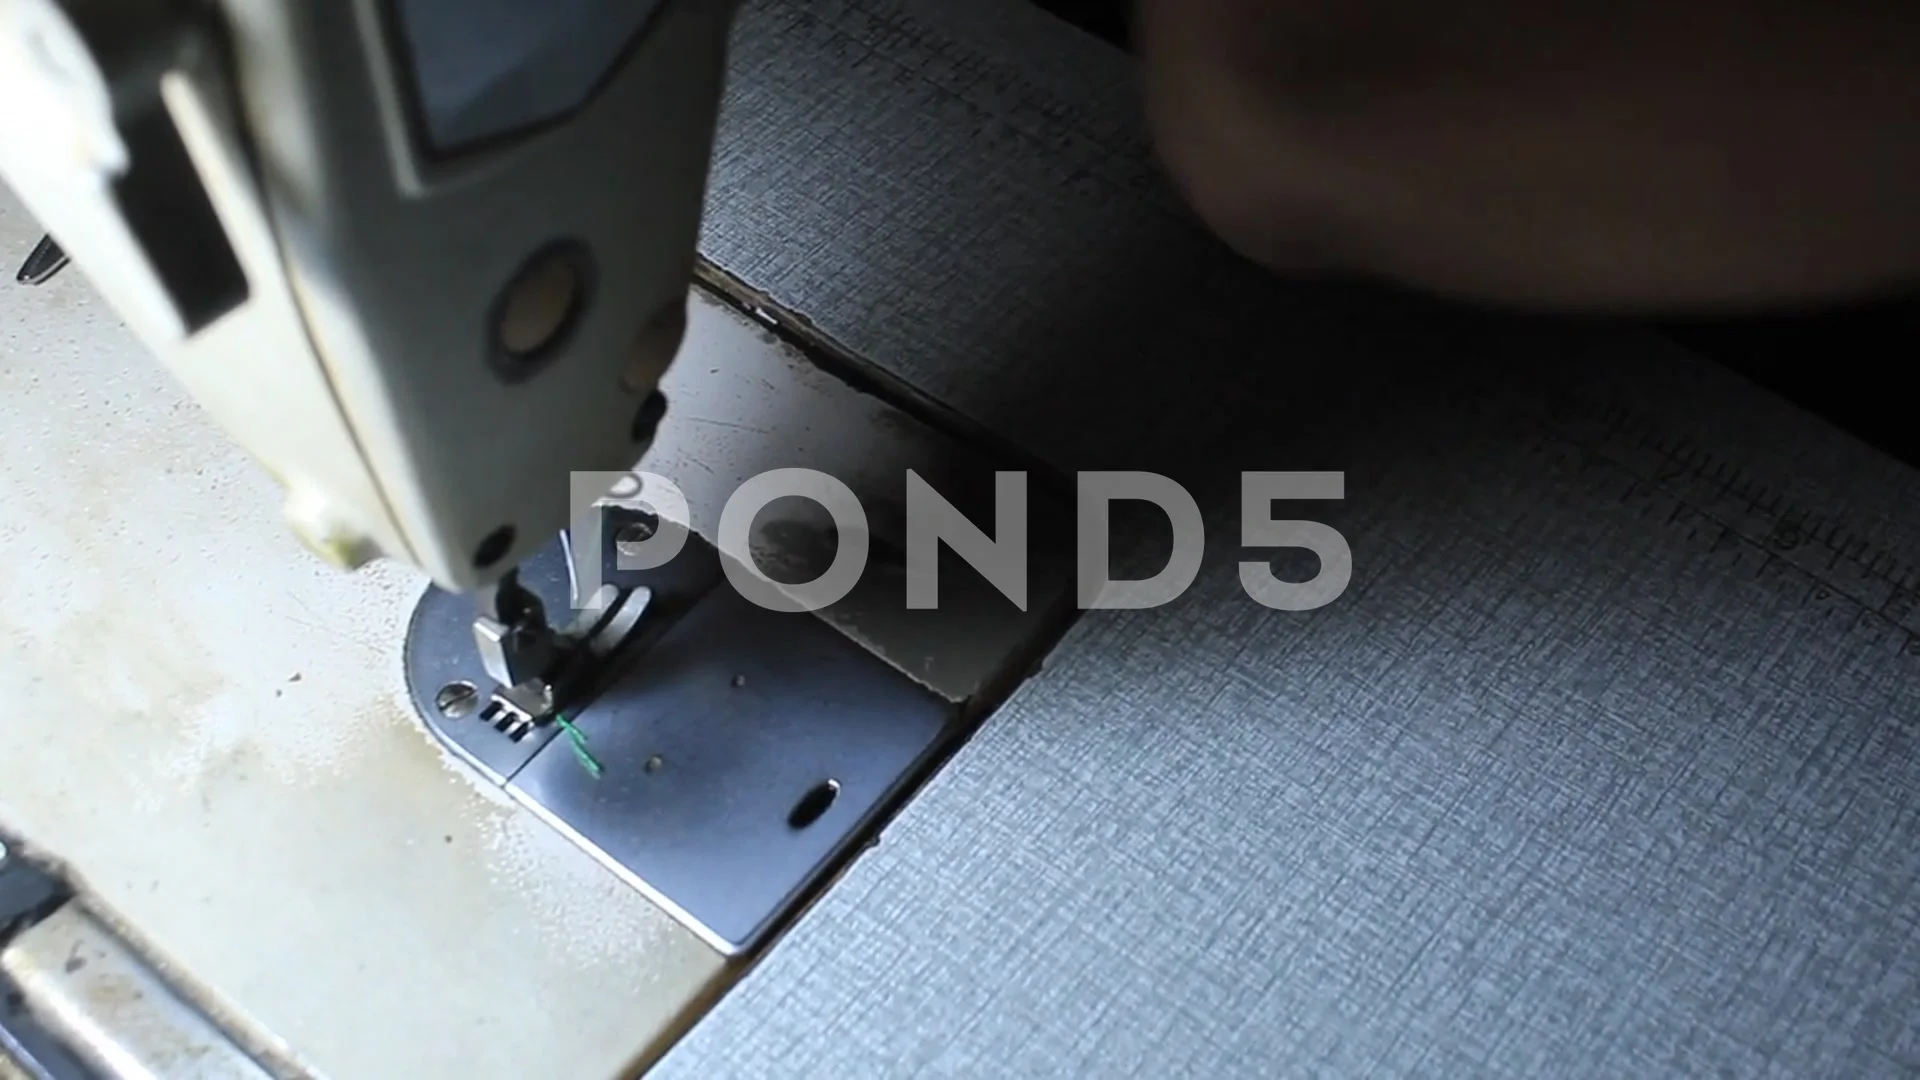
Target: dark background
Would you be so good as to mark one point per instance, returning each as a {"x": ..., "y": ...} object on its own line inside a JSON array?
[{"x": 1830, "y": 362}]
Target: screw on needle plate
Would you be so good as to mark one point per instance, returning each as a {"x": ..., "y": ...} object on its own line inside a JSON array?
[{"x": 457, "y": 700}]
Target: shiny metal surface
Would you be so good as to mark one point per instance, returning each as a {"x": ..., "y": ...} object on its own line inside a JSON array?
[
  {"x": 112, "y": 1009},
  {"x": 749, "y": 402},
  {"x": 28, "y": 1050},
  {"x": 721, "y": 731}
]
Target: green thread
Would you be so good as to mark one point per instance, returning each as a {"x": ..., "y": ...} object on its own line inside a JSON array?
[{"x": 578, "y": 742}]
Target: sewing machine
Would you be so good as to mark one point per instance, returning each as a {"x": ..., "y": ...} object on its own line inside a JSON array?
[
  {"x": 429, "y": 265},
  {"x": 1604, "y": 766}
]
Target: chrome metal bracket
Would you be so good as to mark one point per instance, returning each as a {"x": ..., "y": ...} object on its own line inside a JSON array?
[{"x": 80, "y": 1002}]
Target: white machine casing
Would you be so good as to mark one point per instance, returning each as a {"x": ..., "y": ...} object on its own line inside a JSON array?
[{"x": 363, "y": 368}]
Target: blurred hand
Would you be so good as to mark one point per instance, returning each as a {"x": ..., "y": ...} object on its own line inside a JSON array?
[{"x": 1620, "y": 154}]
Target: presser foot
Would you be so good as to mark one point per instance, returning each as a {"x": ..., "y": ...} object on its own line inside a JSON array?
[{"x": 538, "y": 671}]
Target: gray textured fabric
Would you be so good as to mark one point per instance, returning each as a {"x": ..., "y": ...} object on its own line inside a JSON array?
[{"x": 1606, "y": 764}]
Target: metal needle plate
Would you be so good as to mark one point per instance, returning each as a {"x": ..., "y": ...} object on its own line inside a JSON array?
[
  {"x": 742, "y": 752},
  {"x": 763, "y": 741}
]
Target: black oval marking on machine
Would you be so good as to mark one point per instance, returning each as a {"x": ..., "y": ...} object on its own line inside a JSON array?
[{"x": 494, "y": 547}]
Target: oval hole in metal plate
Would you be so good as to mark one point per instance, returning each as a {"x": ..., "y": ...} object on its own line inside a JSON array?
[{"x": 814, "y": 804}]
